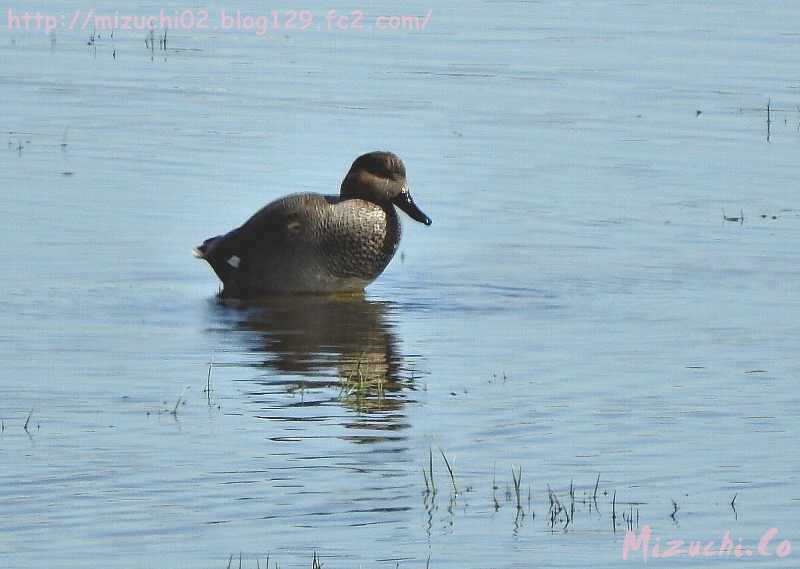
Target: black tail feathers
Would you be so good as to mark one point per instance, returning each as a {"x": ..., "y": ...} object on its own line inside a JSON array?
[{"x": 203, "y": 251}]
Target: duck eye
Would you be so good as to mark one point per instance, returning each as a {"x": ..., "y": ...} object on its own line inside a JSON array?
[{"x": 395, "y": 170}]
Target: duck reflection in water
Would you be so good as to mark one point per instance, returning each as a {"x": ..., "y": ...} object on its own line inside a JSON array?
[{"x": 343, "y": 347}]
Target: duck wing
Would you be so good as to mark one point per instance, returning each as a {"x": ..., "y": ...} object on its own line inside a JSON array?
[{"x": 278, "y": 226}]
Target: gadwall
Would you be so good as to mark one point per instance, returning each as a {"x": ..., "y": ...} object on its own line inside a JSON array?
[{"x": 314, "y": 243}]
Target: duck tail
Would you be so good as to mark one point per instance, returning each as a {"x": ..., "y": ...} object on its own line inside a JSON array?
[
  {"x": 202, "y": 251},
  {"x": 217, "y": 251}
]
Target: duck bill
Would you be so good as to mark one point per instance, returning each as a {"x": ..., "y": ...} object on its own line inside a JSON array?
[{"x": 404, "y": 202}]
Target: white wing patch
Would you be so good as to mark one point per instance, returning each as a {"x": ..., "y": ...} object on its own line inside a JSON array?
[{"x": 234, "y": 261}]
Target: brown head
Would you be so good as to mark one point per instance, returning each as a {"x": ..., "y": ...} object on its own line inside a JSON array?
[{"x": 380, "y": 177}]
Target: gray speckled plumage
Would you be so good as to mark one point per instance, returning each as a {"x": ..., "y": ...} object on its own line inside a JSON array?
[{"x": 314, "y": 243}]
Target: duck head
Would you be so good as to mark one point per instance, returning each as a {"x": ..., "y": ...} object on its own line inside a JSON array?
[{"x": 380, "y": 177}]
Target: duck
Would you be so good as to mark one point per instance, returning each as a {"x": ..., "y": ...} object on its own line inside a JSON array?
[{"x": 314, "y": 243}]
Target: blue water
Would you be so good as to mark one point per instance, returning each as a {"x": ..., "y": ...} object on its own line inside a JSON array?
[{"x": 579, "y": 306}]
